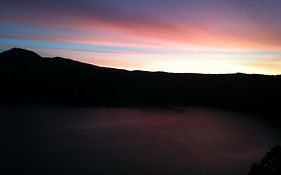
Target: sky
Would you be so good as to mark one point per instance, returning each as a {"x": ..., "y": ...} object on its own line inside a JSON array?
[{"x": 191, "y": 36}]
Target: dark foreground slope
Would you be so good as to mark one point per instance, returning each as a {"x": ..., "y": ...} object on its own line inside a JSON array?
[
  {"x": 270, "y": 164},
  {"x": 27, "y": 77}
]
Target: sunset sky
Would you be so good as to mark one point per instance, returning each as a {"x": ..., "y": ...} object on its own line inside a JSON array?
[{"x": 199, "y": 36}]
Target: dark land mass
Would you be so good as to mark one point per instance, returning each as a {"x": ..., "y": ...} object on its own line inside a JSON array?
[
  {"x": 270, "y": 164},
  {"x": 27, "y": 77}
]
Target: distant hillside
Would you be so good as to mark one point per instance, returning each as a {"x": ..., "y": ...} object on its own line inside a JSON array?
[{"x": 27, "y": 77}]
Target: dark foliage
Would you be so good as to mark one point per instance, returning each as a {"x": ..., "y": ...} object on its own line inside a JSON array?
[{"x": 270, "y": 164}]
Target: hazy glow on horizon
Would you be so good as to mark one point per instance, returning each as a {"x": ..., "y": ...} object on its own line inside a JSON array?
[{"x": 200, "y": 36}]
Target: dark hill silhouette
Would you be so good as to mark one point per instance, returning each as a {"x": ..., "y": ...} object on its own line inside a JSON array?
[
  {"x": 17, "y": 53},
  {"x": 27, "y": 77}
]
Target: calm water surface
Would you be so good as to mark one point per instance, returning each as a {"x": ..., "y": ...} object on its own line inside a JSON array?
[{"x": 128, "y": 141}]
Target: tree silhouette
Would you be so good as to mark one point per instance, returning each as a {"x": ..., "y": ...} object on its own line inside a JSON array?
[{"x": 270, "y": 164}]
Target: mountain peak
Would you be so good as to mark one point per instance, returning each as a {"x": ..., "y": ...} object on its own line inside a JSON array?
[{"x": 20, "y": 53}]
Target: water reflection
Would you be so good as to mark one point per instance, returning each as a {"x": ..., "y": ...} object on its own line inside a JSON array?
[{"x": 139, "y": 141}]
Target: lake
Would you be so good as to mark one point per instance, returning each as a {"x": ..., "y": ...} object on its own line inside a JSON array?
[{"x": 132, "y": 141}]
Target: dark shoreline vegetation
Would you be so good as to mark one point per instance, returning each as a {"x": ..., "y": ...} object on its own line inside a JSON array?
[
  {"x": 27, "y": 78},
  {"x": 270, "y": 164}
]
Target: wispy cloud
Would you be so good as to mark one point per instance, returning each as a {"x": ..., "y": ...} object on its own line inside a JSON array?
[{"x": 157, "y": 32}]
